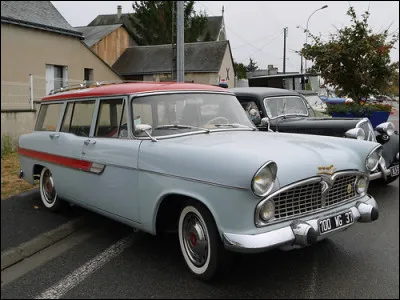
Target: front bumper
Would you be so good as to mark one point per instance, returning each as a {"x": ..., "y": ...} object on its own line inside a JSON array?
[
  {"x": 381, "y": 172},
  {"x": 299, "y": 232}
]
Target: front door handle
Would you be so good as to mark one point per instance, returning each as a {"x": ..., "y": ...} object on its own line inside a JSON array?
[
  {"x": 87, "y": 142},
  {"x": 54, "y": 136}
]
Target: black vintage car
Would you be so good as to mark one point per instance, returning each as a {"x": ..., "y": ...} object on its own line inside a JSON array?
[{"x": 288, "y": 111}]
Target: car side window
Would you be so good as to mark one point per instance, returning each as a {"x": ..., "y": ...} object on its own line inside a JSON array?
[
  {"x": 111, "y": 120},
  {"x": 48, "y": 117},
  {"x": 78, "y": 117}
]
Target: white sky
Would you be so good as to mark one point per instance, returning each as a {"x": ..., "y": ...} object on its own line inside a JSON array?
[{"x": 255, "y": 29}]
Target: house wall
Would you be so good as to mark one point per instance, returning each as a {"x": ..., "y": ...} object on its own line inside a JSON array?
[
  {"x": 202, "y": 78},
  {"x": 26, "y": 51},
  {"x": 227, "y": 64},
  {"x": 111, "y": 47}
]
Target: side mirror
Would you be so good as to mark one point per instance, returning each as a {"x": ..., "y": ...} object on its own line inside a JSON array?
[
  {"x": 144, "y": 130},
  {"x": 265, "y": 123}
]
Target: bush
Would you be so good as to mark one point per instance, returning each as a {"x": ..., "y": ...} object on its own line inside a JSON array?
[
  {"x": 7, "y": 146},
  {"x": 362, "y": 110}
]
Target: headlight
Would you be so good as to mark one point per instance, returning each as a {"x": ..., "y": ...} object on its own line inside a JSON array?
[
  {"x": 356, "y": 133},
  {"x": 371, "y": 163},
  {"x": 263, "y": 180},
  {"x": 361, "y": 185},
  {"x": 267, "y": 211},
  {"x": 387, "y": 127}
]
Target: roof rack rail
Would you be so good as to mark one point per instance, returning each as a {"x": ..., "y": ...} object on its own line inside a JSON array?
[{"x": 87, "y": 84}]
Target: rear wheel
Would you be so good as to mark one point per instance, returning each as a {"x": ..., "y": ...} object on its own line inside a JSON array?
[
  {"x": 48, "y": 191},
  {"x": 200, "y": 242}
]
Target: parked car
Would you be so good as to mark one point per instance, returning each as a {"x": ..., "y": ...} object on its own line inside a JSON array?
[
  {"x": 317, "y": 104},
  {"x": 185, "y": 158},
  {"x": 336, "y": 100},
  {"x": 287, "y": 111}
]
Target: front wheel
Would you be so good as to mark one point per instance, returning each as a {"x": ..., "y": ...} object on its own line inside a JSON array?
[
  {"x": 200, "y": 242},
  {"x": 48, "y": 191}
]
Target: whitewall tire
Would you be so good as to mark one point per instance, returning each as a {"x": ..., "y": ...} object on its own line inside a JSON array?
[{"x": 48, "y": 191}]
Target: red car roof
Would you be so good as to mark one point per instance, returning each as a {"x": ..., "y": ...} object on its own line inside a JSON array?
[{"x": 130, "y": 88}]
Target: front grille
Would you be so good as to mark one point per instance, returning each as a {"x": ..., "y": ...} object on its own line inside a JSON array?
[
  {"x": 298, "y": 200},
  {"x": 308, "y": 197},
  {"x": 369, "y": 131},
  {"x": 342, "y": 190}
]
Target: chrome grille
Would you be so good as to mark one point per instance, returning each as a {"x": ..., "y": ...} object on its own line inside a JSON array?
[
  {"x": 307, "y": 197},
  {"x": 342, "y": 190},
  {"x": 298, "y": 200},
  {"x": 369, "y": 131}
]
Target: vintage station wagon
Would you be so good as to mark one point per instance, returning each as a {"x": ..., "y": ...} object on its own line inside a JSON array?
[{"x": 186, "y": 158}]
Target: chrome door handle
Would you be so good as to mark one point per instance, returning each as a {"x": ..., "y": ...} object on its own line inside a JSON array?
[
  {"x": 87, "y": 142},
  {"x": 54, "y": 136}
]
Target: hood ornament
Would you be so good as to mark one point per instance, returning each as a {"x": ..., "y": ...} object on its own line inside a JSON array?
[{"x": 328, "y": 170}]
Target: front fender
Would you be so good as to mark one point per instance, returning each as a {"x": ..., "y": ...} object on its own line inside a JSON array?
[{"x": 390, "y": 149}]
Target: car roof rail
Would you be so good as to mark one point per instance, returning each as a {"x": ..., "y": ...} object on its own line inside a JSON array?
[{"x": 88, "y": 84}]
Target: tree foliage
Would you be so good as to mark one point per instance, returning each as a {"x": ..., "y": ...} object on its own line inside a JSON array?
[
  {"x": 240, "y": 70},
  {"x": 252, "y": 66},
  {"x": 155, "y": 22},
  {"x": 354, "y": 61}
]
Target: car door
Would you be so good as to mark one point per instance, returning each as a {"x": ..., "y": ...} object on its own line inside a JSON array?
[{"x": 111, "y": 184}]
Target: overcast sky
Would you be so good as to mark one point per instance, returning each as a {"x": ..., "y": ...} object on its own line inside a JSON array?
[{"x": 255, "y": 29}]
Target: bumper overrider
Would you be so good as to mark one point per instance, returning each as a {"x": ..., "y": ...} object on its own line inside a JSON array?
[
  {"x": 381, "y": 172},
  {"x": 301, "y": 231}
]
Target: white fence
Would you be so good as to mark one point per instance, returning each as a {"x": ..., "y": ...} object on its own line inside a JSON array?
[{"x": 21, "y": 95}]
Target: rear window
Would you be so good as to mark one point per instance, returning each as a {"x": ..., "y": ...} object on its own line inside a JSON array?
[{"x": 48, "y": 117}]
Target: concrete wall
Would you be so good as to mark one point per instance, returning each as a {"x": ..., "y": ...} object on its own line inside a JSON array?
[
  {"x": 26, "y": 51},
  {"x": 13, "y": 124}
]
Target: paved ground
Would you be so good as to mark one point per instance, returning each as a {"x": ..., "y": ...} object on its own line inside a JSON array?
[{"x": 98, "y": 262}]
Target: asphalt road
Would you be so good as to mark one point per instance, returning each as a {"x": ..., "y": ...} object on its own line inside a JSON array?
[{"x": 107, "y": 260}]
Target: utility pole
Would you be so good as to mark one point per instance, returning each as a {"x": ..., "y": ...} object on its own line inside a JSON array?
[
  {"x": 173, "y": 43},
  {"x": 180, "y": 42},
  {"x": 284, "y": 49}
]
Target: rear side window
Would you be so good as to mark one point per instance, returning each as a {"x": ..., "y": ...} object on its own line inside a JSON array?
[
  {"x": 78, "y": 118},
  {"x": 111, "y": 121},
  {"x": 48, "y": 117}
]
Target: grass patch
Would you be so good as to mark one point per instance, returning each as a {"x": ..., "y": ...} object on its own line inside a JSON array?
[{"x": 11, "y": 184}]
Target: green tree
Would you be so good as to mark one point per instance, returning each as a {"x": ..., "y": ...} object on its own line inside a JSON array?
[
  {"x": 240, "y": 70},
  {"x": 355, "y": 61},
  {"x": 155, "y": 22},
  {"x": 252, "y": 66}
]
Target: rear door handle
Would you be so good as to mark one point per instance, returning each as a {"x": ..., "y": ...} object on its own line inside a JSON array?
[
  {"x": 54, "y": 136},
  {"x": 87, "y": 142}
]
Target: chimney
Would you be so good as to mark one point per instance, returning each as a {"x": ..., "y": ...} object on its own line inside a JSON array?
[{"x": 119, "y": 11}]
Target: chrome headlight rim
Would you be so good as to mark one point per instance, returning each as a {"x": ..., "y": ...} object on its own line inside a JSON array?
[
  {"x": 356, "y": 187},
  {"x": 386, "y": 128},
  {"x": 378, "y": 151},
  {"x": 269, "y": 164},
  {"x": 356, "y": 133}
]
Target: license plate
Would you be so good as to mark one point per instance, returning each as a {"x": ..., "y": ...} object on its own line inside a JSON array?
[
  {"x": 394, "y": 171},
  {"x": 335, "y": 222}
]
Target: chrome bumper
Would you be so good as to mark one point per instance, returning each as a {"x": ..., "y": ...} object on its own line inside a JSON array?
[
  {"x": 381, "y": 172},
  {"x": 299, "y": 232}
]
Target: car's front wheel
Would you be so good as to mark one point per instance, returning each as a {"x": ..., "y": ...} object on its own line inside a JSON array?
[
  {"x": 48, "y": 191},
  {"x": 200, "y": 242}
]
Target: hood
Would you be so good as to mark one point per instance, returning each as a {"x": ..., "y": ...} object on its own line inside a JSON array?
[{"x": 232, "y": 157}]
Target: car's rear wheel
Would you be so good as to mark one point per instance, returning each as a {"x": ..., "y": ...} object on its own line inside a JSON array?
[
  {"x": 200, "y": 242},
  {"x": 48, "y": 191}
]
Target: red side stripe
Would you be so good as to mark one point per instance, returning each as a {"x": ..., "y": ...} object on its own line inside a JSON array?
[{"x": 60, "y": 160}]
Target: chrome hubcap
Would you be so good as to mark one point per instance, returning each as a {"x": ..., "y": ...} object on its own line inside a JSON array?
[
  {"x": 49, "y": 192},
  {"x": 195, "y": 239}
]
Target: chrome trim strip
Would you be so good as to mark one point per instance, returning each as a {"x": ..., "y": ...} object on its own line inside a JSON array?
[
  {"x": 196, "y": 180},
  {"x": 331, "y": 179}
]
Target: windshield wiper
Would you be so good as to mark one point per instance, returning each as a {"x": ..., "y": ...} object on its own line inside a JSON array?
[
  {"x": 234, "y": 125},
  {"x": 181, "y": 127}
]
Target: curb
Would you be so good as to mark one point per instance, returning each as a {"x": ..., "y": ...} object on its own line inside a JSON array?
[{"x": 42, "y": 241}]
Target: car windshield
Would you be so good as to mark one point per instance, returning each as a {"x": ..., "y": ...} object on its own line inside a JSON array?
[
  {"x": 170, "y": 114},
  {"x": 285, "y": 106},
  {"x": 314, "y": 100}
]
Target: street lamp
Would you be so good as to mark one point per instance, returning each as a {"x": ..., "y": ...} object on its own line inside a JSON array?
[{"x": 308, "y": 20}]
